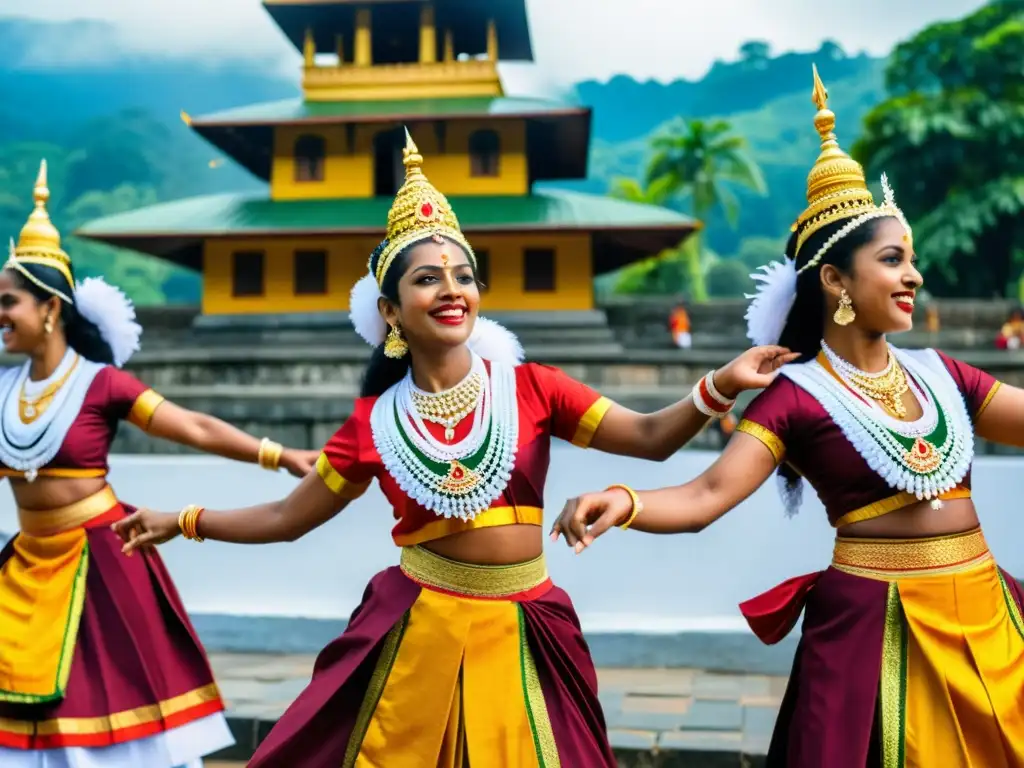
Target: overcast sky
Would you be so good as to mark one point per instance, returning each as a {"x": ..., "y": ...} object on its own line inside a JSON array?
[{"x": 573, "y": 39}]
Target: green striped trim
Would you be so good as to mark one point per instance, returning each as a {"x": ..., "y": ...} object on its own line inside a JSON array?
[
  {"x": 381, "y": 672},
  {"x": 536, "y": 707},
  {"x": 67, "y": 646},
  {"x": 893, "y": 683}
]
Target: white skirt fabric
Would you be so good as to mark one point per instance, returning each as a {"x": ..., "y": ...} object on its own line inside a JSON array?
[{"x": 182, "y": 747}]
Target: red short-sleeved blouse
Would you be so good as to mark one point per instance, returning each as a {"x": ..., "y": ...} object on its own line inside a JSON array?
[{"x": 550, "y": 404}]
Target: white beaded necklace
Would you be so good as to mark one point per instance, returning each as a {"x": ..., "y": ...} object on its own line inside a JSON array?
[{"x": 463, "y": 478}]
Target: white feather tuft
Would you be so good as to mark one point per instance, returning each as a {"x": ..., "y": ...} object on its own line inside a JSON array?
[
  {"x": 363, "y": 312},
  {"x": 766, "y": 315},
  {"x": 112, "y": 313},
  {"x": 494, "y": 342}
]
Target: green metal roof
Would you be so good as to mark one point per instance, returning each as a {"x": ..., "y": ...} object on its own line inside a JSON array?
[
  {"x": 174, "y": 231},
  {"x": 557, "y": 133},
  {"x": 291, "y": 111},
  {"x": 467, "y": 19}
]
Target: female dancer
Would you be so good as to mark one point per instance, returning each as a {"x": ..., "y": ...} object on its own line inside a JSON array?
[
  {"x": 466, "y": 652},
  {"x": 99, "y": 665},
  {"x": 912, "y": 650}
]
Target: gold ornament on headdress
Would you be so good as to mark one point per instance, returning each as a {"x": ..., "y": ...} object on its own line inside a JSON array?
[
  {"x": 836, "y": 189},
  {"x": 419, "y": 212},
  {"x": 39, "y": 242}
]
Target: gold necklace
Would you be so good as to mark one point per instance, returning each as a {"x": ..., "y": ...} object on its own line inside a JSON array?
[
  {"x": 31, "y": 408},
  {"x": 450, "y": 407},
  {"x": 887, "y": 388}
]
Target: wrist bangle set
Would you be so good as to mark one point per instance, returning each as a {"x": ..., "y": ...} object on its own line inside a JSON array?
[
  {"x": 708, "y": 400},
  {"x": 269, "y": 454}
]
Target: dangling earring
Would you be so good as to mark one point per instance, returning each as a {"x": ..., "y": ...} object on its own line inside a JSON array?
[
  {"x": 48, "y": 325},
  {"x": 844, "y": 314},
  {"x": 394, "y": 345}
]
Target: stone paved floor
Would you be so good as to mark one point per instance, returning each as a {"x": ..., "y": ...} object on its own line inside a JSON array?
[{"x": 646, "y": 709}]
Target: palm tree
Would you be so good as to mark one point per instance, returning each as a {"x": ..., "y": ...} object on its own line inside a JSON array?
[{"x": 702, "y": 160}]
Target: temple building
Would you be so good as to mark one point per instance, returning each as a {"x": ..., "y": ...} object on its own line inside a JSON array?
[{"x": 332, "y": 160}]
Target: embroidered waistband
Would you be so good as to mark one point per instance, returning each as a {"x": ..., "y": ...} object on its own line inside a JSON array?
[
  {"x": 47, "y": 522},
  {"x": 891, "y": 559},
  {"x": 893, "y": 503},
  {"x": 493, "y": 581}
]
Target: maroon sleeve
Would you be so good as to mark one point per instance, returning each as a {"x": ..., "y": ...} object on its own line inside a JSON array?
[
  {"x": 977, "y": 386},
  {"x": 344, "y": 464},
  {"x": 772, "y": 415},
  {"x": 576, "y": 410},
  {"x": 130, "y": 399}
]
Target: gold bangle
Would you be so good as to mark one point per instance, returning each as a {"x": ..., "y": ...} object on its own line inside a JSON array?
[
  {"x": 188, "y": 521},
  {"x": 638, "y": 505},
  {"x": 269, "y": 454}
]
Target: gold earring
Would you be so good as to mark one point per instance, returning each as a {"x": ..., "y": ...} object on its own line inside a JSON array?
[
  {"x": 395, "y": 346},
  {"x": 844, "y": 314},
  {"x": 48, "y": 325}
]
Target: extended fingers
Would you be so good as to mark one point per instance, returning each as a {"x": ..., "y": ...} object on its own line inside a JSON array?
[{"x": 144, "y": 539}]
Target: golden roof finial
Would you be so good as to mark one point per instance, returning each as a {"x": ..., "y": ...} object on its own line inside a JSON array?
[
  {"x": 39, "y": 237},
  {"x": 836, "y": 188},
  {"x": 418, "y": 212}
]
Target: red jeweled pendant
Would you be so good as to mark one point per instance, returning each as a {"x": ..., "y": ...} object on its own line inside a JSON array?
[
  {"x": 427, "y": 210},
  {"x": 923, "y": 457}
]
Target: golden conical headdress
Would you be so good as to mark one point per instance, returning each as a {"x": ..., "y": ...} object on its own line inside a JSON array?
[
  {"x": 419, "y": 212},
  {"x": 836, "y": 188},
  {"x": 39, "y": 241}
]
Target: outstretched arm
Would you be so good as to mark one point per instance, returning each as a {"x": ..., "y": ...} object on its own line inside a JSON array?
[
  {"x": 211, "y": 435},
  {"x": 659, "y": 435},
  {"x": 741, "y": 469},
  {"x": 309, "y": 506}
]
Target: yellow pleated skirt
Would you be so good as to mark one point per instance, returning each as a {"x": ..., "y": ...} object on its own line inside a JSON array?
[{"x": 952, "y": 677}]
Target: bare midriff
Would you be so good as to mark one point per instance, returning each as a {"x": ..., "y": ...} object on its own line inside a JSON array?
[
  {"x": 918, "y": 520},
  {"x": 501, "y": 545},
  {"x": 53, "y": 492}
]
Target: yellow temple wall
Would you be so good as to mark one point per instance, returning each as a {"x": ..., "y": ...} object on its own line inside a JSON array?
[
  {"x": 346, "y": 263},
  {"x": 349, "y": 171}
]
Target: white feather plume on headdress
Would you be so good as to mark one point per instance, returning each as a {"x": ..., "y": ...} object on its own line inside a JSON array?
[
  {"x": 363, "y": 311},
  {"x": 491, "y": 340},
  {"x": 112, "y": 313},
  {"x": 494, "y": 342},
  {"x": 771, "y": 302}
]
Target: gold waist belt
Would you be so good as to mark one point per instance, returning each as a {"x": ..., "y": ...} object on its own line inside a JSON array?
[
  {"x": 47, "y": 522},
  {"x": 905, "y": 558},
  {"x": 494, "y": 581}
]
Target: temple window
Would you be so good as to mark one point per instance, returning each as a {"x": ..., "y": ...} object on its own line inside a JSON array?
[
  {"x": 310, "y": 158},
  {"x": 483, "y": 269},
  {"x": 484, "y": 153},
  {"x": 310, "y": 273},
  {"x": 538, "y": 270},
  {"x": 248, "y": 270}
]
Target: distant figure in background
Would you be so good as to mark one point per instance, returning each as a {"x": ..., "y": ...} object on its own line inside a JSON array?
[
  {"x": 99, "y": 664},
  {"x": 466, "y": 653},
  {"x": 679, "y": 326},
  {"x": 1012, "y": 333},
  {"x": 912, "y": 645}
]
